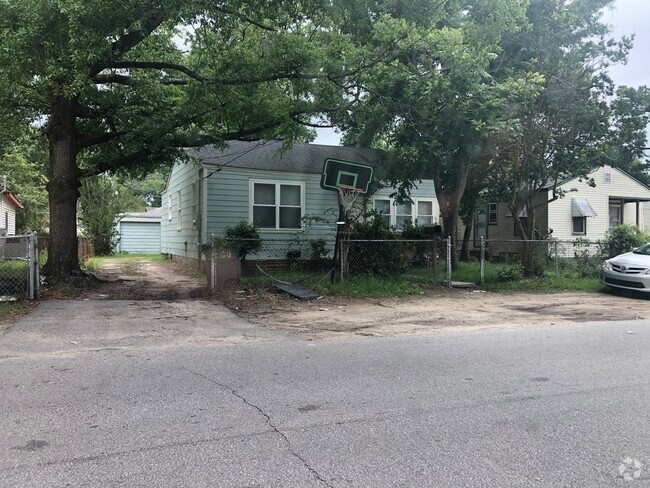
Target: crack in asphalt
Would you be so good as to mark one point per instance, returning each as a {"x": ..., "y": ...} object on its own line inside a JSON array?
[{"x": 269, "y": 421}]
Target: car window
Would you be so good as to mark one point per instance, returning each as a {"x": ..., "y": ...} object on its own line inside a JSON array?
[{"x": 645, "y": 249}]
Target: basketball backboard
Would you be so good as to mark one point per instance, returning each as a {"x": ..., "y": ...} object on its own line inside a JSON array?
[{"x": 339, "y": 174}]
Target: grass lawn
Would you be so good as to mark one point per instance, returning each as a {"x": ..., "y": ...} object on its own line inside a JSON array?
[
  {"x": 497, "y": 278},
  {"x": 95, "y": 263}
]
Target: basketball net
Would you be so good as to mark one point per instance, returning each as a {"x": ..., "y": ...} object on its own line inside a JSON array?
[{"x": 347, "y": 198}]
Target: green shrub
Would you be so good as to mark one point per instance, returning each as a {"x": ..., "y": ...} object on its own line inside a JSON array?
[
  {"x": 385, "y": 260},
  {"x": 243, "y": 237},
  {"x": 510, "y": 272},
  {"x": 623, "y": 238}
]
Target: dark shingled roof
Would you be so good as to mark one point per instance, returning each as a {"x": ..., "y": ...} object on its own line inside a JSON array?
[{"x": 300, "y": 158}]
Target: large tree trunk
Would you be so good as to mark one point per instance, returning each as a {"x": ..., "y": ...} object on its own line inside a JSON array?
[
  {"x": 63, "y": 191},
  {"x": 450, "y": 229},
  {"x": 449, "y": 203},
  {"x": 464, "y": 250}
]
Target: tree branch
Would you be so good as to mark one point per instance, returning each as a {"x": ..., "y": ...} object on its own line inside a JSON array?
[
  {"x": 94, "y": 139},
  {"x": 246, "y": 19},
  {"x": 160, "y": 65},
  {"x": 129, "y": 40}
]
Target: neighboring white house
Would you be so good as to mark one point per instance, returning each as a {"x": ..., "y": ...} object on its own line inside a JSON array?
[
  {"x": 8, "y": 206},
  {"x": 256, "y": 182},
  {"x": 139, "y": 232},
  {"x": 584, "y": 211}
]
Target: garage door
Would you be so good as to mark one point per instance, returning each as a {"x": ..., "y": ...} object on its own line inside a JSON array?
[{"x": 140, "y": 237}]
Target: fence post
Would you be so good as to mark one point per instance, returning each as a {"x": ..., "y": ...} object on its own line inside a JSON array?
[
  {"x": 34, "y": 274},
  {"x": 557, "y": 264},
  {"x": 482, "y": 259},
  {"x": 213, "y": 266},
  {"x": 30, "y": 259},
  {"x": 342, "y": 253},
  {"x": 449, "y": 261}
]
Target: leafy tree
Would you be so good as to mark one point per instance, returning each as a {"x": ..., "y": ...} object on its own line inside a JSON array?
[
  {"x": 22, "y": 161},
  {"x": 631, "y": 115},
  {"x": 99, "y": 207},
  {"x": 569, "y": 126},
  {"x": 125, "y": 86},
  {"x": 436, "y": 104}
]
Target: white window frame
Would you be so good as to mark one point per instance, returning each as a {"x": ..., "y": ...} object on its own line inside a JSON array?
[
  {"x": 492, "y": 210},
  {"x": 195, "y": 203},
  {"x": 414, "y": 210},
  {"x": 169, "y": 206},
  {"x": 178, "y": 210},
  {"x": 278, "y": 184},
  {"x": 621, "y": 211},
  {"x": 584, "y": 226},
  {"x": 607, "y": 177}
]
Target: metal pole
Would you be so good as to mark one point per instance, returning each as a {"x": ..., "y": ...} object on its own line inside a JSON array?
[
  {"x": 335, "y": 258},
  {"x": 342, "y": 253},
  {"x": 213, "y": 266},
  {"x": 482, "y": 260},
  {"x": 37, "y": 271},
  {"x": 32, "y": 274},
  {"x": 449, "y": 261}
]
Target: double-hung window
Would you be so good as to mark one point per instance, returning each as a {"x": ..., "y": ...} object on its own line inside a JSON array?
[
  {"x": 277, "y": 205},
  {"x": 382, "y": 207},
  {"x": 399, "y": 215},
  {"x": 493, "y": 214},
  {"x": 179, "y": 210}
]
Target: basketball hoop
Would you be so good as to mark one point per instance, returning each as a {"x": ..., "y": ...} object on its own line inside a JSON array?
[{"x": 348, "y": 196}]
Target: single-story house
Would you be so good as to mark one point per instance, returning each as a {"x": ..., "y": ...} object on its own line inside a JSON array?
[
  {"x": 277, "y": 190},
  {"x": 584, "y": 211},
  {"x": 139, "y": 232},
  {"x": 8, "y": 206}
]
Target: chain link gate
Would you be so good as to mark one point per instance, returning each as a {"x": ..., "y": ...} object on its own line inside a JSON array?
[{"x": 19, "y": 273}]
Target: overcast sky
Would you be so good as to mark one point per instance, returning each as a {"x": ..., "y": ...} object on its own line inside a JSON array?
[{"x": 627, "y": 17}]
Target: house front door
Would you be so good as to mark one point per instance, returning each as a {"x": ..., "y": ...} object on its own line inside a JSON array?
[{"x": 615, "y": 213}]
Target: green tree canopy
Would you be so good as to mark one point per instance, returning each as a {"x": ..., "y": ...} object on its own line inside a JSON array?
[{"x": 125, "y": 86}]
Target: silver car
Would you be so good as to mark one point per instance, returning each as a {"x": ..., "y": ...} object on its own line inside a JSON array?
[{"x": 630, "y": 270}]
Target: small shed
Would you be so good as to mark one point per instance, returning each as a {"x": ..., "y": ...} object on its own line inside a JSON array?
[{"x": 139, "y": 232}]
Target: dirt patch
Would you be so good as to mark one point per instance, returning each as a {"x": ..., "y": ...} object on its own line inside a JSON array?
[
  {"x": 446, "y": 309},
  {"x": 146, "y": 280},
  {"x": 335, "y": 317}
]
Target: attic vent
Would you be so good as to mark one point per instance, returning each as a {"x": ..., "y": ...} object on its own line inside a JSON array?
[{"x": 607, "y": 177}]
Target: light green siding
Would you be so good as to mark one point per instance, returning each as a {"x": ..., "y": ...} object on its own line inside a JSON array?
[
  {"x": 183, "y": 239},
  {"x": 228, "y": 201},
  {"x": 139, "y": 237}
]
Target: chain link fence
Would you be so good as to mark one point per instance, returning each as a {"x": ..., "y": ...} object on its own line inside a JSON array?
[
  {"x": 294, "y": 260},
  {"x": 421, "y": 261},
  {"x": 502, "y": 261},
  {"x": 19, "y": 276}
]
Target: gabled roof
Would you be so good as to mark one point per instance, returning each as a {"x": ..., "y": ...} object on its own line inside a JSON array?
[
  {"x": 549, "y": 184},
  {"x": 10, "y": 196},
  {"x": 300, "y": 158},
  {"x": 153, "y": 214}
]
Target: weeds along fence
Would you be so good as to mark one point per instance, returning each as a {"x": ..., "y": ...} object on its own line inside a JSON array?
[
  {"x": 422, "y": 261},
  {"x": 501, "y": 261},
  {"x": 416, "y": 260},
  {"x": 19, "y": 275}
]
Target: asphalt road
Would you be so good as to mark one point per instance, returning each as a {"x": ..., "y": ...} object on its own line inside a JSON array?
[{"x": 106, "y": 394}]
